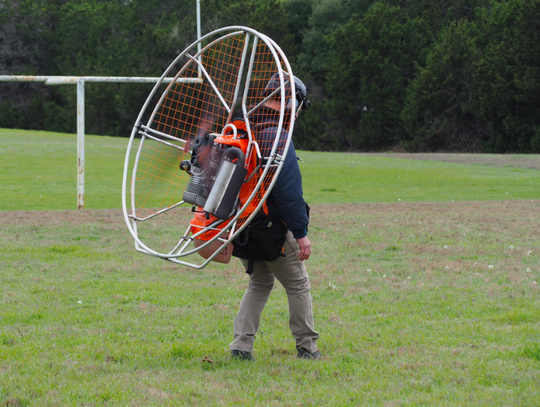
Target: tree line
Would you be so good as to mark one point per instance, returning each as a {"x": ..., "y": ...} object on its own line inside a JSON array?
[{"x": 417, "y": 75}]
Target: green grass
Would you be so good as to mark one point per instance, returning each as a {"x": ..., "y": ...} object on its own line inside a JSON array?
[
  {"x": 417, "y": 303},
  {"x": 38, "y": 171},
  {"x": 408, "y": 308},
  {"x": 338, "y": 177}
]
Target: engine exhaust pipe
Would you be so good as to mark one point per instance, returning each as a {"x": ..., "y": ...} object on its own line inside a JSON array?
[{"x": 229, "y": 179}]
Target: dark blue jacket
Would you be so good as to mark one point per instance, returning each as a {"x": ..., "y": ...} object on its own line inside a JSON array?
[{"x": 286, "y": 199}]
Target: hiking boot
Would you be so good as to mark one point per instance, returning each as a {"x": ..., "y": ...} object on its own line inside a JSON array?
[
  {"x": 241, "y": 355},
  {"x": 304, "y": 354}
]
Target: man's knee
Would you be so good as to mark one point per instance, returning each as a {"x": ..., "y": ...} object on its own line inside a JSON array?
[
  {"x": 297, "y": 286},
  {"x": 264, "y": 287}
]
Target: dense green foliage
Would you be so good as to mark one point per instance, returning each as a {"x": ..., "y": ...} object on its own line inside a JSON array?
[{"x": 454, "y": 75}]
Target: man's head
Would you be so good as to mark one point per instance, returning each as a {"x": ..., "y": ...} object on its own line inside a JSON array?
[{"x": 298, "y": 102}]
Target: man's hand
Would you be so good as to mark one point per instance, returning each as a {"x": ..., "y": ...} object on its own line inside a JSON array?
[{"x": 305, "y": 248}]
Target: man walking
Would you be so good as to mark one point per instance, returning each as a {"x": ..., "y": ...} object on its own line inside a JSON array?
[{"x": 284, "y": 204}]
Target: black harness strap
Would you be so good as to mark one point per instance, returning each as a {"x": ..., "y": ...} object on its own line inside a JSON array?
[{"x": 249, "y": 269}]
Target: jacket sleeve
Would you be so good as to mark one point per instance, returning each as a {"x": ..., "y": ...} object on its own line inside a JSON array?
[{"x": 288, "y": 196}]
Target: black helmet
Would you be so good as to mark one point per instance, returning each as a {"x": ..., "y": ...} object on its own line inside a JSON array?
[{"x": 301, "y": 92}]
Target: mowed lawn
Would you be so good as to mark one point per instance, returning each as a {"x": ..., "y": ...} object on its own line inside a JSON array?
[
  {"x": 425, "y": 279},
  {"x": 38, "y": 171}
]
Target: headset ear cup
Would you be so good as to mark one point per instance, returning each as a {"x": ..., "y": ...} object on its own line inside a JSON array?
[{"x": 292, "y": 105}]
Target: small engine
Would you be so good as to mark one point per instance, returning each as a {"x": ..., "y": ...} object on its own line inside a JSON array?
[{"x": 217, "y": 176}]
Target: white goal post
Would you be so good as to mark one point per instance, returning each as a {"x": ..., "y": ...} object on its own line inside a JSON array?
[{"x": 80, "y": 81}]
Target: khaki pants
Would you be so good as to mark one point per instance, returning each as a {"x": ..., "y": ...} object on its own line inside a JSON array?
[{"x": 292, "y": 275}]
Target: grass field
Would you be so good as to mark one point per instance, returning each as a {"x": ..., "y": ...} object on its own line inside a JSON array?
[
  {"x": 422, "y": 301},
  {"x": 38, "y": 171}
]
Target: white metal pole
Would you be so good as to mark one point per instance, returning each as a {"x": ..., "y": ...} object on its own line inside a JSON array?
[
  {"x": 199, "y": 33},
  {"x": 80, "y": 143},
  {"x": 199, "y": 24}
]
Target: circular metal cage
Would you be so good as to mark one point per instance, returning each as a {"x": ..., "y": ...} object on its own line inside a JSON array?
[{"x": 218, "y": 83}]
